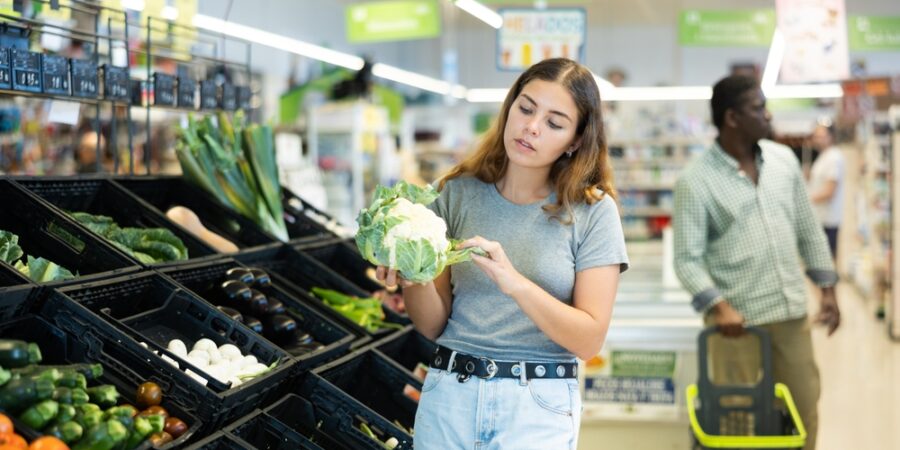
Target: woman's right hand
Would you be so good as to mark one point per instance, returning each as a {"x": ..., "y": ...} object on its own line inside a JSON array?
[{"x": 391, "y": 278}]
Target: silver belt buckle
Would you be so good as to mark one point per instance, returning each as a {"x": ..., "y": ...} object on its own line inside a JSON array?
[{"x": 491, "y": 367}]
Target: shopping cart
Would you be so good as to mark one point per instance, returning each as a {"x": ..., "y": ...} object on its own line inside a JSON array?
[{"x": 745, "y": 416}]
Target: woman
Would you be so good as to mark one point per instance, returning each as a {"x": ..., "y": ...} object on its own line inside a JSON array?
[{"x": 538, "y": 197}]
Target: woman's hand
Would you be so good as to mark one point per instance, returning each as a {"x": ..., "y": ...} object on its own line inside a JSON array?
[
  {"x": 391, "y": 278},
  {"x": 496, "y": 265}
]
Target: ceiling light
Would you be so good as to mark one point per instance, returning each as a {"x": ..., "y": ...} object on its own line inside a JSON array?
[
  {"x": 773, "y": 62},
  {"x": 480, "y": 12},
  {"x": 829, "y": 90},
  {"x": 486, "y": 95},
  {"x": 659, "y": 93},
  {"x": 169, "y": 13},
  {"x": 416, "y": 80}
]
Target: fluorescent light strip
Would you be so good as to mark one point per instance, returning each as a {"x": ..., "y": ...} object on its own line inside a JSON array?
[
  {"x": 480, "y": 12},
  {"x": 417, "y": 80},
  {"x": 486, "y": 95},
  {"x": 830, "y": 90},
  {"x": 773, "y": 62},
  {"x": 659, "y": 93},
  {"x": 278, "y": 41}
]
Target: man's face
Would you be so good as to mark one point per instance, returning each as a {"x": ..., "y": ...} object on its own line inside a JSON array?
[{"x": 751, "y": 116}]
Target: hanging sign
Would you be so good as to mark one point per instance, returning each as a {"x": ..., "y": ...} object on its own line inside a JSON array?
[
  {"x": 532, "y": 35},
  {"x": 874, "y": 33},
  {"x": 55, "y": 70},
  {"x": 815, "y": 40},
  {"x": 726, "y": 28},
  {"x": 393, "y": 20}
]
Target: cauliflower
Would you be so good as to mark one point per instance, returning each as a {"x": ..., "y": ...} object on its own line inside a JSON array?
[{"x": 398, "y": 231}]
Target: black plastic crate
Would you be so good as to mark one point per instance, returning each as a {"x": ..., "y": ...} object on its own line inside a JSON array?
[
  {"x": 305, "y": 222},
  {"x": 299, "y": 273},
  {"x": 263, "y": 432},
  {"x": 11, "y": 278},
  {"x": 364, "y": 385},
  {"x": 298, "y": 414},
  {"x": 101, "y": 196},
  {"x": 408, "y": 348},
  {"x": 18, "y": 301},
  {"x": 164, "y": 192},
  {"x": 204, "y": 279},
  {"x": 45, "y": 233},
  {"x": 342, "y": 257},
  {"x": 219, "y": 441},
  {"x": 59, "y": 347},
  {"x": 151, "y": 308}
]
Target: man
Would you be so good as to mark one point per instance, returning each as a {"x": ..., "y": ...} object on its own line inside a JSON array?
[
  {"x": 743, "y": 226},
  {"x": 826, "y": 184}
]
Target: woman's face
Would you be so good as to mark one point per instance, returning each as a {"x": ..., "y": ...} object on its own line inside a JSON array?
[{"x": 541, "y": 125}]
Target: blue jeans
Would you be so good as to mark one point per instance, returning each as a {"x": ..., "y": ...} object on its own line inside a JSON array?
[{"x": 499, "y": 413}]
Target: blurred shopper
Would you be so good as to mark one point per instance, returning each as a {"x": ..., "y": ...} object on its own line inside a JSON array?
[
  {"x": 826, "y": 184},
  {"x": 744, "y": 226},
  {"x": 538, "y": 197}
]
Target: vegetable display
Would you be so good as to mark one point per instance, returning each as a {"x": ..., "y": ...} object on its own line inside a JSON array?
[
  {"x": 57, "y": 402},
  {"x": 225, "y": 363},
  {"x": 38, "y": 269},
  {"x": 398, "y": 231},
  {"x": 235, "y": 163},
  {"x": 147, "y": 245},
  {"x": 189, "y": 220},
  {"x": 365, "y": 312}
]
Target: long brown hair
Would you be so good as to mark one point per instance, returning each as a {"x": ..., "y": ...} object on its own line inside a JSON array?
[{"x": 577, "y": 178}]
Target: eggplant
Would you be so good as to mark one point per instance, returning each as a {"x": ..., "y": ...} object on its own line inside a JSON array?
[
  {"x": 280, "y": 329},
  {"x": 302, "y": 349},
  {"x": 275, "y": 307},
  {"x": 254, "y": 324},
  {"x": 241, "y": 274},
  {"x": 260, "y": 277},
  {"x": 233, "y": 313},
  {"x": 303, "y": 338},
  {"x": 236, "y": 292},
  {"x": 258, "y": 304}
]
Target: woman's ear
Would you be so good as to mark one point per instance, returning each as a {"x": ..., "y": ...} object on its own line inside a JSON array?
[{"x": 576, "y": 145}]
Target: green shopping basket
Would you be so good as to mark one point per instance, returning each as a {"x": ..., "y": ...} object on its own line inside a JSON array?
[{"x": 711, "y": 406}]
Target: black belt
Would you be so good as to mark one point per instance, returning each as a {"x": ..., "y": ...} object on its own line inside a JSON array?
[{"x": 467, "y": 366}]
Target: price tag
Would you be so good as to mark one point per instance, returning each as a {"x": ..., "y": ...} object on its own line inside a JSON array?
[
  {"x": 187, "y": 91},
  {"x": 208, "y": 97},
  {"x": 163, "y": 89},
  {"x": 138, "y": 92},
  {"x": 5, "y": 76},
  {"x": 244, "y": 95},
  {"x": 84, "y": 78},
  {"x": 229, "y": 97},
  {"x": 26, "y": 70},
  {"x": 116, "y": 83},
  {"x": 55, "y": 70}
]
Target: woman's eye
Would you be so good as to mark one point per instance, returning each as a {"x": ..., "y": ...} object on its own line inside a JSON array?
[
  {"x": 553, "y": 125},
  {"x": 524, "y": 110}
]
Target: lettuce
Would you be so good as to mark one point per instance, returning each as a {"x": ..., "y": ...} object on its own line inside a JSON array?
[{"x": 398, "y": 231}]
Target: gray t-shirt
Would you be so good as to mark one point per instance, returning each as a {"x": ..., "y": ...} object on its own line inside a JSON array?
[{"x": 486, "y": 322}]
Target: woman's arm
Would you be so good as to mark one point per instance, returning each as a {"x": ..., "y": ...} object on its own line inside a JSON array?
[
  {"x": 580, "y": 328},
  {"x": 427, "y": 304}
]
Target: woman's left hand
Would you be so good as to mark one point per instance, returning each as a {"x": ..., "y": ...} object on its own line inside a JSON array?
[{"x": 495, "y": 265}]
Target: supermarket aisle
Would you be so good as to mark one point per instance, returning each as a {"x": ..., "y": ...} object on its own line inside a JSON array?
[{"x": 860, "y": 367}]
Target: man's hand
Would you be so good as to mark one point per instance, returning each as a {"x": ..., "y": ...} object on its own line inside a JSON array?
[
  {"x": 829, "y": 315},
  {"x": 729, "y": 321}
]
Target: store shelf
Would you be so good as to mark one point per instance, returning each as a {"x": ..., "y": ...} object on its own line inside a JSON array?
[{"x": 648, "y": 211}]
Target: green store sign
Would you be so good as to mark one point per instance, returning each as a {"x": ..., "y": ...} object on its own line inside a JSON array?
[
  {"x": 393, "y": 20},
  {"x": 643, "y": 363},
  {"x": 873, "y": 33},
  {"x": 721, "y": 28}
]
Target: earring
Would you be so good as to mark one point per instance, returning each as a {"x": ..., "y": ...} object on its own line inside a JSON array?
[{"x": 569, "y": 153}]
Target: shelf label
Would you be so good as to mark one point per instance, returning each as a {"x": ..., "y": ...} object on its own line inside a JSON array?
[
  {"x": 84, "y": 78},
  {"x": 163, "y": 89},
  {"x": 187, "y": 92},
  {"x": 56, "y": 74},
  {"x": 5, "y": 77},
  {"x": 229, "y": 97},
  {"x": 116, "y": 83},
  {"x": 208, "y": 97},
  {"x": 634, "y": 382},
  {"x": 26, "y": 70}
]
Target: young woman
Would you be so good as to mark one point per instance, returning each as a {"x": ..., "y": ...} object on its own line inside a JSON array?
[{"x": 538, "y": 197}]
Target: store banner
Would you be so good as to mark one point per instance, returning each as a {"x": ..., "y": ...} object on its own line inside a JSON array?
[
  {"x": 874, "y": 33},
  {"x": 815, "y": 37},
  {"x": 725, "y": 28},
  {"x": 393, "y": 20},
  {"x": 531, "y": 35},
  {"x": 639, "y": 382}
]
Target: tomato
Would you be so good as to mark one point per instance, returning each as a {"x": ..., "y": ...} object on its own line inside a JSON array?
[
  {"x": 48, "y": 443},
  {"x": 6, "y": 425}
]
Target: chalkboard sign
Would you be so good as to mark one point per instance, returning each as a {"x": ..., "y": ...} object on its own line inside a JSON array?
[
  {"x": 138, "y": 88},
  {"x": 26, "y": 70},
  {"x": 163, "y": 89},
  {"x": 244, "y": 95},
  {"x": 116, "y": 83},
  {"x": 5, "y": 76},
  {"x": 55, "y": 74},
  {"x": 208, "y": 97},
  {"x": 187, "y": 89},
  {"x": 229, "y": 97},
  {"x": 84, "y": 78}
]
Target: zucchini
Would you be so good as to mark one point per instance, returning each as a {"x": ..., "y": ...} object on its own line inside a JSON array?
[
  {"x": 21, "y": 393},
  {"x": 15, "y": 353}
]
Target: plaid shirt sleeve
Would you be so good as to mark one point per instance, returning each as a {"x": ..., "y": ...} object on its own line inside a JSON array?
[
  {"x": 811, "y": 240},
  {"x": 690, "y": 223}
]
